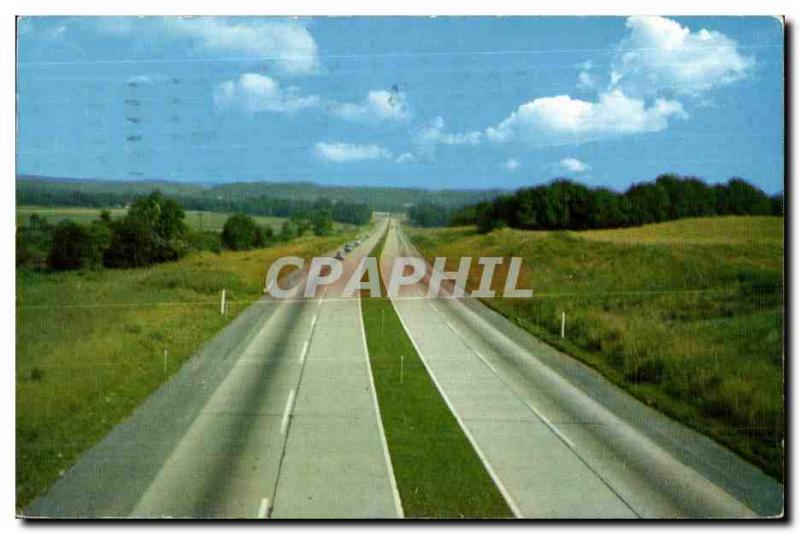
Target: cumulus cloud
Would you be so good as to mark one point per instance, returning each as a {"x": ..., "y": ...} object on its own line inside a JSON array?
[
  {"x": 377, "y": 106},
  {"x": 344, "y": 152},
  {"x": 434, "y": 134},
  {"x": 572, "y": 165},
  {"x": 658, "y": 62},
  {"x": 511, "y": 164},
  {"x": 405, "y": 157},
  {"x": 563, "y": 120},
  {"x": 254, "y": 92},
  {"x": 586, "y": 81},
  {"x": 286, "y": 44},
  {"x": 661, "y": 55}
]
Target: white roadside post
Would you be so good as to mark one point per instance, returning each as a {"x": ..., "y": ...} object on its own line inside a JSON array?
[
  {"x": 222, "y": 303},
  {"x": 563, "y": 323}
]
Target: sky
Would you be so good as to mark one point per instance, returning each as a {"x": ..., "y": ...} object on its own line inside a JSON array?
[{"x": 497, "y": 102}]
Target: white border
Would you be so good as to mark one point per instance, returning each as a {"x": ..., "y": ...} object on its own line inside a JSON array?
[{"x": 319, "y": 7}]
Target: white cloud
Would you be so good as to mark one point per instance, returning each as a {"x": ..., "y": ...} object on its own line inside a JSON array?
[
  {"x": 658, "y": 61},
  {"x": 434, "y": 134},
  {"x": 286, "y": 44},
  {"x": 586, "y": 81},
  {"x": 405, "y": 157},
  {"x": 254, "y": 92},
  {"x": 377, "y": 106},
  {"x": 512, "y": 164},
  {"x": 661, "y": 55},
  {"x": 573, "y": 165},
  {"x": 563, "y": 120},
  {"x": 343, "y": 152},
  {"x": 289, "y": 44}
]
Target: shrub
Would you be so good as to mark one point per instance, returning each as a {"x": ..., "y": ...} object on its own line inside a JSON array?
[
  {"x": 75, "y": 246},
  {"x": 242, "y": 233},
  {"x": 33, "y": 242},
  {"x": 153, "y": 231}
]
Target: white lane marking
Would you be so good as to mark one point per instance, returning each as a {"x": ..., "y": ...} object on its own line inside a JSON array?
[
  {"x": 489, "y": 469},
  {"x": 530, "y": 405},
  {"x": 551, "y": 426},
  {"x": 485, "y": 361},
  {"x": 314, "y": 321},
  {"x": 287, "y": 411},
  {"x": 263, "y": 508},
  {"x": 398, "y": 504},
  {"x": 303, "y": 352}
]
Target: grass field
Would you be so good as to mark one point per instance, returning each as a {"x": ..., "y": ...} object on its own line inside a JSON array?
[
  {"x": 686, "y": 315},
  {"x": 438, "y": 472},
  {"x": 197, "y": 220},
  {"x": 90, "y": 344}
]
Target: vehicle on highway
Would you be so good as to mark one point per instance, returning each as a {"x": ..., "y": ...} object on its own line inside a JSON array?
[
  {"x": 339, "y": 256},
  {"x": 347, "y": 249}
]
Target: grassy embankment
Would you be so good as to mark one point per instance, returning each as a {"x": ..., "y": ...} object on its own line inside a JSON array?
[
  {"x": 90, "y": 345},
  {"x": 196, "y": 220},
  {"x": 438, "y": 472},
  {"x": 686, "y": 315}
]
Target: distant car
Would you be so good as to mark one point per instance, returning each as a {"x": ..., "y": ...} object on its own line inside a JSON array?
[
  {"x": 339, "y": 256},
  {"x": 347, "y": 249},
  {"x": 357, "y": 243}
]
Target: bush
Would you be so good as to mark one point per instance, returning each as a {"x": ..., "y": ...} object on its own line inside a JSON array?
[
  {"x": 75, "y": 246},
  {"x": 153, "y": 231},
  {"x": 242, "y": 233},
  {"x": 288, "y": 231},
  {"x": 33, "y": 242}
]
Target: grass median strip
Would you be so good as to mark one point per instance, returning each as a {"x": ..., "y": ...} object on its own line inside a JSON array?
[{"x": 438, "y": 473}]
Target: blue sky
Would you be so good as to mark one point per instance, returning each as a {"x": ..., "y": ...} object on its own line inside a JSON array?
[{"x": 429, "y": 102}]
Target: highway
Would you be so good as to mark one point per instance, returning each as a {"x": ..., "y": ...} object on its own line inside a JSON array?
[
  {"x": 559, "y": 440},
  {"x": 277, "y": 417}
]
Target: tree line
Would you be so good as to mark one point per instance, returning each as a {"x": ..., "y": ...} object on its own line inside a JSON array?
[
  {"x": 108, "y": 193},
  {"x": 262, "y": 205},
  {"x": 152, "y": 231},
  {"x": 567, "y": 205}
]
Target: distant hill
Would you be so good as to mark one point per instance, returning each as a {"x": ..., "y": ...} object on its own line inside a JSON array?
[{"x": 94, "y": 192}]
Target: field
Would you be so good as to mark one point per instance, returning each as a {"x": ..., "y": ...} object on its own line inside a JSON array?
[
  {"x": 686, "y": 315},
  {"x": 438, "y": 473},
  {"x": 90, "y": 344},
  {"x": 197, "y": 220}
]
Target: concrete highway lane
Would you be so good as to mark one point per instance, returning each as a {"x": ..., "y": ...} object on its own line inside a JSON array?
[
  {"x": 559, "y": 440},
  {"x": 274, "y": 417}
]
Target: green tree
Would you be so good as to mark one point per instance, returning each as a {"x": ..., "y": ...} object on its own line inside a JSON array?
[
  {"x": 152, "y": 231},
  {"x": 75, "y": 246},
  {"x": 288, "y": 231},
  {"x": 242, "y": 233}
]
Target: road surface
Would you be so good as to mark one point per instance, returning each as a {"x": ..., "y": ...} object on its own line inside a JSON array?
[
  {"x": 277, "y": 416},
  {"x": 559, "y": 440}
]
